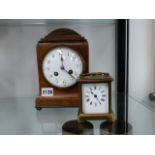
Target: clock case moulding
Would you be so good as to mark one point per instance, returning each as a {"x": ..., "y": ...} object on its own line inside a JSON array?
[{"x": 62, "y": 97}]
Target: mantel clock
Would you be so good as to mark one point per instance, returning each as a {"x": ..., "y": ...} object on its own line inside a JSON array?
[{"x": 62, "y": 56}]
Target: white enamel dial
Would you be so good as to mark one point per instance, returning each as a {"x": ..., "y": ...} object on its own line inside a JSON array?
[
  {"x": 95, "y": 98},
  {"x": 62, "y": 66}
]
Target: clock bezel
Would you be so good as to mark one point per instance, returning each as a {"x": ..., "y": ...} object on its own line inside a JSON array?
[{"x": 61, "y": 46}]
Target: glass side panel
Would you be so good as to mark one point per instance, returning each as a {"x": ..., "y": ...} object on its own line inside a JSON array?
[{"x": 141, "y": 115}]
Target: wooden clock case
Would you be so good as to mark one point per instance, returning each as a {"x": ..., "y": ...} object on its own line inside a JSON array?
[{"x": 62, "y": 97}]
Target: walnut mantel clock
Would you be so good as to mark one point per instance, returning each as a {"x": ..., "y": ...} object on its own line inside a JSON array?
[
  {"x": 95, "y": 93},
  {"x": 62, "y": 56}
]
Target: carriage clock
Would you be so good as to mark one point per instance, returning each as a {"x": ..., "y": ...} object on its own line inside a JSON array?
[
  {"x": 95, "y": 92},
  {"x": 62, "y": 56}
]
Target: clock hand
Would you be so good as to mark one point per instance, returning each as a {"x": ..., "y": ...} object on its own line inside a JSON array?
[
  {"x": 91, "y": 91},
  {"x": 61, "y": 58},
  {"x": 95, "y": 95},
  {"x": 98, "y": 100},
  {"x": 68, "y": 73},
  {"x": 62, "y": 65}
]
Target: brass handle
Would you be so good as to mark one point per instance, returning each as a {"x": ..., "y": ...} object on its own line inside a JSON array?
[{"x": 95, "y": 74}]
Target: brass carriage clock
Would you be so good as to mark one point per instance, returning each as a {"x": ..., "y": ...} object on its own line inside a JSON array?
[
  {"x": 61, "y": 56},
  {"x": 95, "y": 92}
]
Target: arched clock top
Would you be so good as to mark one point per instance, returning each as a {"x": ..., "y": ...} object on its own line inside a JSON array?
[{"x": 61, "y": 35}]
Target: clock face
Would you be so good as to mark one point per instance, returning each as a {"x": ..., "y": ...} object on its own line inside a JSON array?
[
  {"x": 95, "y": 98},
  {"x": 62, "y": 66}
]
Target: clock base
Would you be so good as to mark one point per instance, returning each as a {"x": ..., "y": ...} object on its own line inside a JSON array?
[
  {"x": 115, "y": 128},
  {"x": 106, "y": 116},
  {"x": 75, "y": 128},
  {"x": 57, "y": 101}
]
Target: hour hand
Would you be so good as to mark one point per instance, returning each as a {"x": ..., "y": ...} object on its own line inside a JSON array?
[
  {"x": 91, "y": 91},
  {"x": 70, "y": 72}
]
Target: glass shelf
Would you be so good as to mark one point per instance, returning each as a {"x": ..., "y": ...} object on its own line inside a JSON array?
[
  {"x": 50, "y": 22},
  {"x": 19, "y": 116}
]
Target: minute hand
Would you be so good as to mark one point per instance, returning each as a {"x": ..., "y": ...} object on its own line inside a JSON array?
[
  {"x": 95, "y": 95},
  {"x": 62, "y": 60},
  {"x": 98, "y": 100},
  {"x": 68, "y": 73}
]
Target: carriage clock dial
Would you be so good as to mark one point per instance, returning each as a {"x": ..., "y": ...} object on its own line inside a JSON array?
[
  {"x": 62, "y": 66},
  {"x": 95, "y": 98}
]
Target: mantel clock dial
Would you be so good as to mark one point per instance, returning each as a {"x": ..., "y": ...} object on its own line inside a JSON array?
[
  {"x": 62, "y": 66},
  {"x": 62, "y": 57}
]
